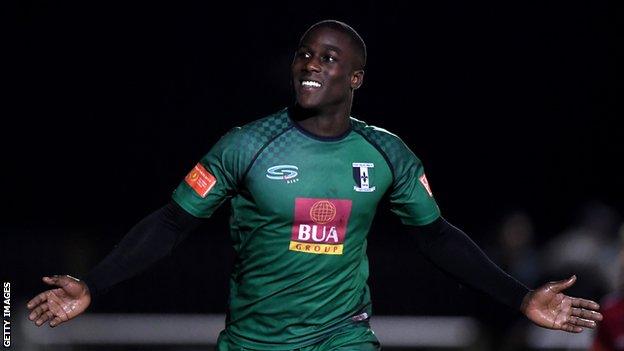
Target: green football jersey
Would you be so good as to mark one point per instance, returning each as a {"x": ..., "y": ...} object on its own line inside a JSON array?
[{"x": 302, "y": 207}]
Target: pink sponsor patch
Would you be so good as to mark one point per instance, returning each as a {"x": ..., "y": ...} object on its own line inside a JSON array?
[{"x": 321, "y": 220}]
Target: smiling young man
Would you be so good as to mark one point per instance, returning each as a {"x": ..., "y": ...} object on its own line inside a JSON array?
[{"x": 304, "y": 184}]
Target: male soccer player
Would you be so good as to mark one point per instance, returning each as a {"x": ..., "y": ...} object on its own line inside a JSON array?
[{"x": 304, "y": 184}]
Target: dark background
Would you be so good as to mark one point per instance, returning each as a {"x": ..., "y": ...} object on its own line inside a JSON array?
[{"x": 510, "y": 105}]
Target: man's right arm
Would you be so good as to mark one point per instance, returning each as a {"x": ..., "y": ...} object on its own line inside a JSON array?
[
  {"x": 148, "y": 241},
  {"x": 210, "y": 183}
]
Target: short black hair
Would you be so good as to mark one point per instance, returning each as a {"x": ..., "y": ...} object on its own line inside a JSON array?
[{"x": 357, "y": 40}]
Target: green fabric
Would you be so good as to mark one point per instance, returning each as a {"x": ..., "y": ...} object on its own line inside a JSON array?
[
  {"x": 409, "y": 198},
  {"x": 352, "y": 338},
  {"x": 301, "y": 212}
]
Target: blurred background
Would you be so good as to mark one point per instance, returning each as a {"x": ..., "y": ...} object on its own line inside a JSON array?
[{"x": 511, "y": 107}]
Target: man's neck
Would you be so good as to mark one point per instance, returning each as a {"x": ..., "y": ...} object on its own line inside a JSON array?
[{"x": 322, "y": 123}]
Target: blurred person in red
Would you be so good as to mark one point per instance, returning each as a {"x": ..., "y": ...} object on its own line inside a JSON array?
[{"x": 610, "y": 333}]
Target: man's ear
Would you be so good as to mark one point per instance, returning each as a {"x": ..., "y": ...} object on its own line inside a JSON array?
[{"x": 357, "y": 78}]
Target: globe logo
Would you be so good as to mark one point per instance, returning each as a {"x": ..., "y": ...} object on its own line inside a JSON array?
[{"x": 323, "y": 212}]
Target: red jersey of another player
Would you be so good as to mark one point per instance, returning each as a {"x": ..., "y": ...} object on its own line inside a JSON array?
[{"x": 610, "y": 334}]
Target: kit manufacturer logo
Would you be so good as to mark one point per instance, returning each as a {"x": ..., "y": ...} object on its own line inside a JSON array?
[{"x": 287, "y": 173}]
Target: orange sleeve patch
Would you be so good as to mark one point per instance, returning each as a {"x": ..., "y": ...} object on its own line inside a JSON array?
[{"x": 200, "y": 180}]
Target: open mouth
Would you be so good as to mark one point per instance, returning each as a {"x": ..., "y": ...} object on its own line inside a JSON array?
[{"x": 310, "y": 84}]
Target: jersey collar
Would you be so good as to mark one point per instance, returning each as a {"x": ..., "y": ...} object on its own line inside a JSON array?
[{"x": 319, "y": 137}]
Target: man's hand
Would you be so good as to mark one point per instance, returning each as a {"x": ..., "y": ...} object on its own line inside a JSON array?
[
  {"x": 61, "y": 304},
  {"x": 547, "y": 307}
]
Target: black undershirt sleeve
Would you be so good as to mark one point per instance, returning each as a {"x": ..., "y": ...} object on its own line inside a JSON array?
[
  {"x": 148, "y": 241},
  {"x": 452, "y": 251}
]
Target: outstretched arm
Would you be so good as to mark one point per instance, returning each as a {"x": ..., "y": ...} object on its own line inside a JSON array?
[
  {"x": 150, "y": 240},
  {"x": 147, "y": 242},
  {"x": 452, "y": 251}
]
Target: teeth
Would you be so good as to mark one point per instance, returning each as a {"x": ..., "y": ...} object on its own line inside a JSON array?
[{"x": 311, "y": 83}]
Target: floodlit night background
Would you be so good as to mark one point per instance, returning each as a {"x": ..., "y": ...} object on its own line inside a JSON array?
[{"x": 511, "y": 106}]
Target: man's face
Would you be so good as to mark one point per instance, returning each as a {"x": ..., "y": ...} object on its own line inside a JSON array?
[{"x": 324, "y": 69}]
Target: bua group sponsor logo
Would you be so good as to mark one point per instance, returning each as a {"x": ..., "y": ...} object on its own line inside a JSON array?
[{"x": 320, "y": 225}]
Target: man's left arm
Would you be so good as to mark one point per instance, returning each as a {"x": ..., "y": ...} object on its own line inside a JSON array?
[
  {"x": 452, "y": 251},
  {"x": 447, "y": 247}
]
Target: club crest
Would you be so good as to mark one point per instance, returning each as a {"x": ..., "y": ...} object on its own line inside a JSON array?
[{"x": 361, "y": 176}]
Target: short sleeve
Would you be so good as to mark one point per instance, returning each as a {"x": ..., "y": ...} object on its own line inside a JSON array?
[
  {"x": 411, "y": 198},
  {"x": 214, "y": 178}
]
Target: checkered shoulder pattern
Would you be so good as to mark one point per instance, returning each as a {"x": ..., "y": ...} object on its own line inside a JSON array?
[
  {"x": 255, "y": 136},
  {"x": 400, "y": 158}
]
